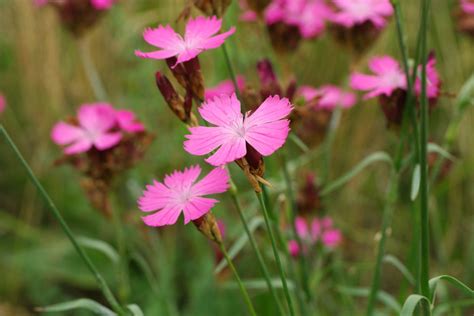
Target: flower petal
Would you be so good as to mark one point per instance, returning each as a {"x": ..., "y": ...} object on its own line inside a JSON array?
[
  {"x": 230, "y": 151},
  {"x": 167, "y": 216},
  {"x": 222, "y": 110},
  {"x": 185, "y": 178},
  {"x": 197, "y": 207},
  {"x": 216, "y": 181},
  {"x": 107, "y": 140},
  {"x": 64, "y": 133},
  {"x": 155, "y": 197},
  {"x": 80, "y": 146}
]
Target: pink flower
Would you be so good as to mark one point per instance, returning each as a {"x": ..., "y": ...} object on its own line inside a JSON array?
[
  {"x": 265, "y": 129},
  {"x": 352, "y": 12},
  {"x": 308, "y": 15},
  {"x": 180, "y": 193},
  {"x": 388, "y": 78},
  {"x": 433, "y": 82},
  {"x": 248, "y": 15},
  {"x": 330, "y": 96},
  {"x": 127, "y": 121},
  {"x": 102, "y": 4},
  {"x": 293, "y": 248},
  {"x": 225, "y": 87},
  {"x": 3, "y": 103},
  {"x": 467, "y": 6},
  {"x": 40, "y": 3},
  {"x": 99, "y": 126},
  {"x": 198, "y": 37}
]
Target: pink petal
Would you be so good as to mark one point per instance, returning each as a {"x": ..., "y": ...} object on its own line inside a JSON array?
[
  {"x": 272, "y": 109},
  {"x": 96, "y": 117},
  {"x": 197, "y": 207},
  {"x": 107, "y": 140},
  {"x": 79, "y": 146},
  {"x": 217, "y": 181},
  {"x": 293, "y": 248},
  {"x": 218, "y": 40},
  {"x": 383, "y": 64},
  {"x": 332, "y": 238},
  {"x": 127, "y": 121},
  {"x": 363, "y": 82},
  {"x": 167, "y": 216},
  {"x": 102, "y": 4},
  {"x": 201, "y": 28},
  {"x": 155, "y": 197},
  {"x": 203, "y": 139},
  {"x": 230, "y": 151},
  {"x": 159, "y": 54},
  {"x": 63, "y": 133},
  {"x": 164, "y": 37},
  {"x": 3, "y": 103},
  {"x": 222, "y": 110},
  {"x": 225, "y": 87},
  {"x": 315, "y": 229},
  {"x": 179, "y": 179},
  {"x": 301, "y": 227}
]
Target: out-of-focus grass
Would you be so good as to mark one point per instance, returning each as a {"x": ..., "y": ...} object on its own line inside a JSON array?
[{"x": 43, "y": 80}]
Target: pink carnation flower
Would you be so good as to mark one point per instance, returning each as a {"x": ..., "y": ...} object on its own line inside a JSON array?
[
  {"x": 330, "y": 96},
  {"x": 99, "y": 126},
  {"x": 467, "y": 6},
  {"x": 433, "y": 82},
  {"x": 310, "y": 233},
  {"x": 308, "y": 15},
  {"x": 226, "y": 87},
  {"x": 180, "y": 193},
  {"x": 388, "y": 77},
  {"x": 199, "y": 36},
  {"x": 3, "y": 103},
  {"x": 264, "y": 129},
  {"x": 352, "y": 12}
]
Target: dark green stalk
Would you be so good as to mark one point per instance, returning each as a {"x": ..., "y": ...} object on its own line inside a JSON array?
[
  {"x": 253, "y": 243},
  {"x": 424, "y": 277},
  {"x": 275, "y": 252},
  {"x": 230, "y": 68},
  {"x": 304, "y": 275},
  {"x": 245, "y": 294},
  {"x": 52, "y": 207}
]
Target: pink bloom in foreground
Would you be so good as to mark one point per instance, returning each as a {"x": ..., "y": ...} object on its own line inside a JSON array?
[
  {"x": 433, "y": 82},
  {"x": 352, "y": 12},
  {"x": 330, "y": 96},
  {"x": 388, "y": 77},
  {"x": 199, "y": 36},
  {"x": 308, "y": 15},
  {"x": 265, "y": 129},
  {"x": 180, "y": 193},
  {"x": 99, "y": 126},
  {"x": 467, "y": 6},
  {"x": 3, "y": 103},
  {"x": 226, "y": 87}
]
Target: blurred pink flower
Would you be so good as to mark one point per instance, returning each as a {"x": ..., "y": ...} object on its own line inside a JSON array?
[
  {"x": 225, "y": 87},
  {"x": 264, "y": 129},
  {"x": 127, "y": 121},
  {"x": 248, "y": 15},
  {"x": 352, "y": 12},
  {"x": 3, "y": 103},
  {"x": 308, "y": 15},
  {"x": 198, "y": 37},
  {"x": 180, "y": 193},
  {"x": 330, "y": 96},
  {"x": 433, "y": 82},
  {"x": 388, "y": 78},
  {"x": 310, "y": 233},
  {"x": 99, "y": 126},
  {"x": 467, "y": 6},
  {"x": 102, "y": 4}
]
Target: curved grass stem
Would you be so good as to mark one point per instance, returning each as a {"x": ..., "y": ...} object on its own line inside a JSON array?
[
  {"x": 244, "y": 292},
  {"x": 52, "y": 207}
]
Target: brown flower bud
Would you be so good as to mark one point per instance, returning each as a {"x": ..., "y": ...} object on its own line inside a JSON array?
[
  {"x": 268, "y": 79},
  {"x": 465, "y": 22},
  {"x": 393, "y": 107},
  {"x": 357, "y": 39},
  {"x": 207, "y": 225},
  {"x": 309, "y": 200},
  {"x": 310, "y": 123},
  {"x": 195, "y": 78},
  {"x": 212, "y": 7},
  {"x": 172, "y": 98},
  {"x": 284, "y": 38},
  {"x": 178, "y": 71}
]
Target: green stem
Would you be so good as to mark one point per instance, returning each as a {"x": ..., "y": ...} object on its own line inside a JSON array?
[
  {"x": 304, "y": 275},
  {"x": 52, "y": 207},
  {"x": 253, "y": 243},
  {"x": 239, "y": 281},
  {"x": 91, "y": 71},
  {"x": 230, "y": 68},
  {"x": 275, "y": 252},
  {"x": 424, "y": 238}
]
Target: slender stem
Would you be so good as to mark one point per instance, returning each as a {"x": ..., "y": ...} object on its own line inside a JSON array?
[
  {"x": 239, "y": 281},
  {"x": 304, "y": 275},
  {"x": 253, "y": 243},
  {"x": 91, "y": 71},
  {"x": 52, "y": 207},
  {"x": 275, "y": 252},
  {"x": 230, "y": 68},
  {"x": 424, "y": 277}
]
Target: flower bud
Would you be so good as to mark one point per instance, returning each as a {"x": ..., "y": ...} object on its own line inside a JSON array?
[
  {"x": 172, "y": 98},
  {"x": 208, "y": 226},
  {"x": 212, "y": 7},
  {"x": 268, "y": 80},
  {"x": 195, "y": 78}
]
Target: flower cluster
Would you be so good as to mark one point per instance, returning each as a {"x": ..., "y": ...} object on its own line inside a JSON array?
[
  {"x": 78, "y": 15},
  {"x": 388, "y": 82},
  {"x": 101, "y": 142},
  {"x": 310, "y": 233}
]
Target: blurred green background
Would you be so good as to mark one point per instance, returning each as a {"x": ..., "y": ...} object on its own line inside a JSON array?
[{"x": 43, "y": 80}]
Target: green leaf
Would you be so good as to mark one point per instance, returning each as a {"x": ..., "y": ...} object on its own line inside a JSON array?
[
  {"x": 379, "y": 156},
  {"x": 444, "y": 308},
  {"x": 239, "y": 243},
  {"x": 466, "y": 95},
  {"x": 135, "y": 309},
  {"x": 100, "y": 246},
  {"x": 260, "y": 284},
  {"x": 83, "y": 303},
  {"x": 458, "y": 284},
  {"x": 400, "y": 266},
  {"x": 435, "y": 148},
  {"x": 411, "y": 303},
  {"x": 382, "y": 296},
  {"x": 415, "y": 182}
]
